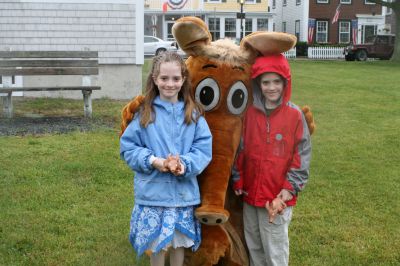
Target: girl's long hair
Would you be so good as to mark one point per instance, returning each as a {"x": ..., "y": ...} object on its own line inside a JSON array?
[{"x": 144, "y": 105}]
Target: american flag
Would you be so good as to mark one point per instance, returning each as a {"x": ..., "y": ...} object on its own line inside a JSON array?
[
  {"x": 176, "y": 4},
  {"x": 311, "y": 27},
  {"x": 354, "y": 30},
  {"x": 337, "y": 13}
]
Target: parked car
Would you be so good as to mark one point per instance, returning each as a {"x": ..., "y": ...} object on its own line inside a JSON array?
[
  {"x": 382, "y": 47},
  {"x": 155, "y": 46}
]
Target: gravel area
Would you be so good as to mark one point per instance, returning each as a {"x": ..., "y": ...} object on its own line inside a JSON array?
[{"x": 20, "y": 126}]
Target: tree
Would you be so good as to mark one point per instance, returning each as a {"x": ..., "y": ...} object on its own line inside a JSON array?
[{"x": 395, "y": 6}]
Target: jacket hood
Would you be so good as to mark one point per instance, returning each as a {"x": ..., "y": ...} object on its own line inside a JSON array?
[{"x": 271, "y": 63}]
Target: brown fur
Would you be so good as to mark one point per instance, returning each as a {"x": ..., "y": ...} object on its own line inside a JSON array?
[{"x": 225, "y": 51}]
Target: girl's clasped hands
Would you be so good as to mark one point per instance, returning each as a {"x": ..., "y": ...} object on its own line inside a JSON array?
[{"x": 171, "y": 164}]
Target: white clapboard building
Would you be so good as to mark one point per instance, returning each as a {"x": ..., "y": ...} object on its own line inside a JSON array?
[{"x": 114, "y": 28}]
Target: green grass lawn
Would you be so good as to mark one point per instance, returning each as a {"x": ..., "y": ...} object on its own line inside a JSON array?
[{"x": 66, "y": 199}]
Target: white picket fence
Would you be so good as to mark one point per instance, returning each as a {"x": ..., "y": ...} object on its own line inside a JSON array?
[
  {"x": 325, "y": 52},
  {"x": 291, "y": 53},
  {"x": 318, "y": 53}
]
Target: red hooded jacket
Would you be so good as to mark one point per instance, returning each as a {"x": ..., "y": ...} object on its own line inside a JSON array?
[{"x": 276, "y": 149}]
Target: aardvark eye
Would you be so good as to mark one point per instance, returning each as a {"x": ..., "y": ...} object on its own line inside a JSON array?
[
  {"x": 207, "y": 93},
  {"x": 237, "y": 98}
]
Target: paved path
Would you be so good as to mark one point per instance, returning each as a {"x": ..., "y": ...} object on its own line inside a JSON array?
[{"x": 20, "y": 126}]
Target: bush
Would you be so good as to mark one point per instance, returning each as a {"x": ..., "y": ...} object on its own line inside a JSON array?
[{"x": 301, "y": 49}]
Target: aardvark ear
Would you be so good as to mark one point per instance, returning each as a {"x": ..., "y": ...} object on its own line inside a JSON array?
[
  {"x": 192, "y": 34},
  {"x": 268, "y": 43}
]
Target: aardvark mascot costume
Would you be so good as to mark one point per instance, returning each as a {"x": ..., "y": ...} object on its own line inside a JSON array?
[{"x": 220, "y": 78}]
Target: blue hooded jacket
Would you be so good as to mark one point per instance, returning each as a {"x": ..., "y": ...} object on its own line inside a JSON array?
[{"x": 168, "y": 134}]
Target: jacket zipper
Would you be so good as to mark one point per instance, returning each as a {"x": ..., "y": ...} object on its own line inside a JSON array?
[
  {"x": 173, "y": 125},
  {"x": 268, "y": 130}
]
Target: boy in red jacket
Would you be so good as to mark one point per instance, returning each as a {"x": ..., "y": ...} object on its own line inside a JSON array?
[{"x": 273, "y": 162}]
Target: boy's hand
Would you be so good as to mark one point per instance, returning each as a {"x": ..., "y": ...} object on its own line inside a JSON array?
[
  {"x": 238, "y": 192},
  {"x": 285, "y": 195},
  {"x": 274, "y": 208}
]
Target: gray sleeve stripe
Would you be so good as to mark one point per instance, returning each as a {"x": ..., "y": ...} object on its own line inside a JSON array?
[{"x": 299, "y": 177}]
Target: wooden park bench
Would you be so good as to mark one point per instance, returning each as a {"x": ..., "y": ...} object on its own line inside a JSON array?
[{"x": 48, "y": 63}]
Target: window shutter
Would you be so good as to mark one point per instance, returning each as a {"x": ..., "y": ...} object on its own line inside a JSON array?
[
  {"x": 223, "y": 1},
  {"x": 258, "y": 1}
]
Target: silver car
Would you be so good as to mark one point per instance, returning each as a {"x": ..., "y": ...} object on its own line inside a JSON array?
[{"x": 155, "y": 46}]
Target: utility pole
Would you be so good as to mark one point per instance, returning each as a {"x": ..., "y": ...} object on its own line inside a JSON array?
[
  {"x": 215, "y": 24},
  {"x": 241, "y": 19}
]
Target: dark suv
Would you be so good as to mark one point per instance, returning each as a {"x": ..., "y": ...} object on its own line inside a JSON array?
[{"x": 381, "y": 47}]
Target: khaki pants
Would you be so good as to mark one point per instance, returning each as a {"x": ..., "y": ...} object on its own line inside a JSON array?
[{"x": 268, "y": 243}]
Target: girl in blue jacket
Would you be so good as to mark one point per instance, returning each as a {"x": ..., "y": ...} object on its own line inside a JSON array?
[{"x": 168, "y": 128}]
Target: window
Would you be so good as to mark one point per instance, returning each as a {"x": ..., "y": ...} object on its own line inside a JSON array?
[
  {"x": 230, "y": 28},
  {"x": 250, "y": 1},
  {"x": 283, "y": 26},
  {"x": 273, "y": 26},
  {"x": 214, "y": 1},
  {"x": 368, "y": 33},
  {"x": 273, "y": 4},
  {"x": 383, "y": 40},
  {"x": 388, "y": 9},
  {"x": 346, "y": 2},
  {"x": 214, "y": 26},
  {"x": 284, "y": 3},
  {"x": 322, "y": 1},
  {"x": 262, "y": 24},
  {"x": 322, "y": 32},
  {"x": 170, "y": 36},
  {"x": 298, "y": 2},
  {"x": 248, "y": 26},
  {"x": 344, "y": 31},
  {"x": 369, "y": 2},
  {"x": 297, "y": 29}
]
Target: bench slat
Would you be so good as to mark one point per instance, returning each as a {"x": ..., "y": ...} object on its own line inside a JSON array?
[
  {"x": 48, "y": 54},
  {"x": 6, "y": 90},
  {"x": 48, "y": 71},
  {"x": 48, "y": 63}
]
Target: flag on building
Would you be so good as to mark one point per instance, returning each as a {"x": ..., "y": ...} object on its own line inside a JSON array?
[
  {"x": 354, "y": 30},
  {"x": 311, "y": 27},
  {"x": 176, "y": 4},
  {"x": 164, "y": 6},
  {"x": 336, "y": 16}
]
